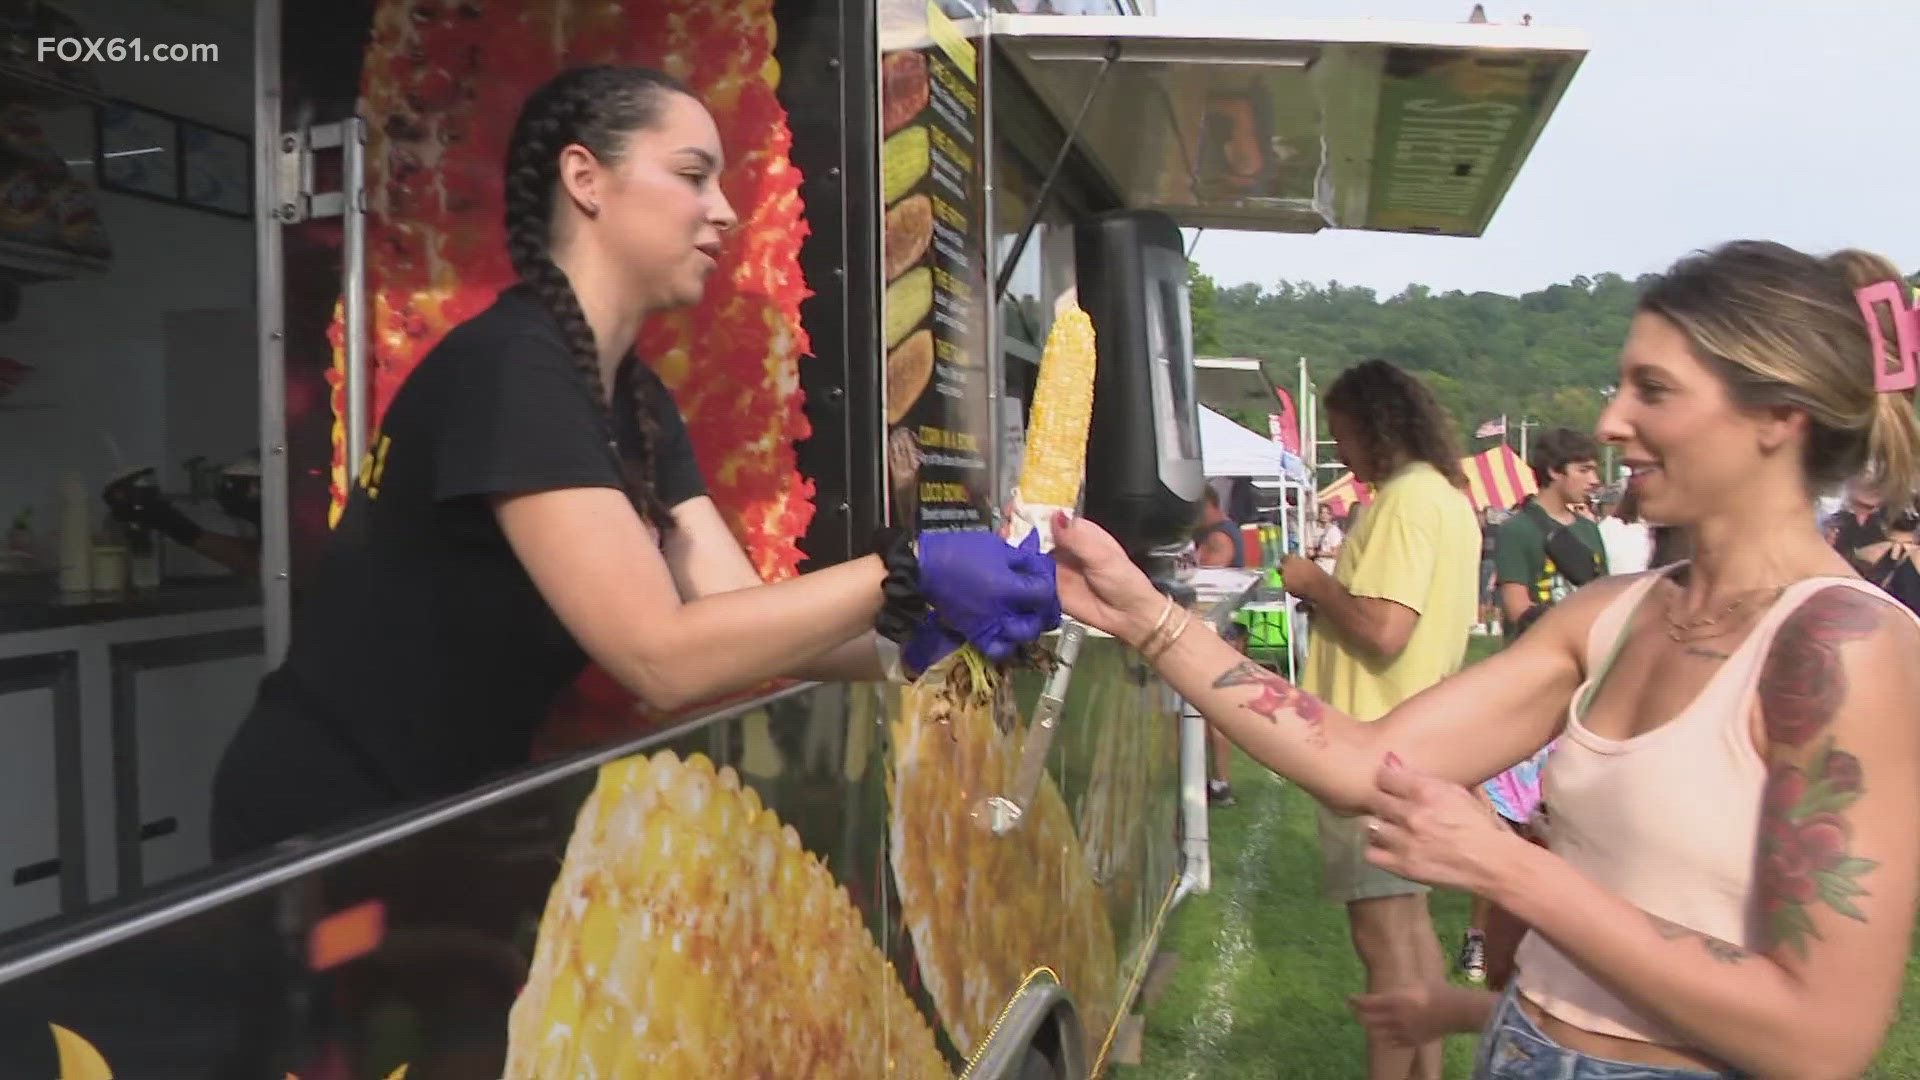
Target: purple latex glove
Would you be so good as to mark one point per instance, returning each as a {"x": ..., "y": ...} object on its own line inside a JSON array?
[
  {"x": 932, "y": 642},
  {"x": 998, "y": 596}
]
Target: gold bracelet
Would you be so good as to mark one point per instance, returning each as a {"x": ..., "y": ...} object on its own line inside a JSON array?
[
  {"x": 1149, "y": 640},
  {"x": 1173, "y": 637},
  {"x": 1165, "y": 614}
]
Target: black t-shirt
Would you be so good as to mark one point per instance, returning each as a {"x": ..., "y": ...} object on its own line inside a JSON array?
[
  {"x": 1851, "y": 534},
  {"x": 421, "y": 642},
  {"x": 1232, "y": 532},
  {"x": 1899, "y": 578}
]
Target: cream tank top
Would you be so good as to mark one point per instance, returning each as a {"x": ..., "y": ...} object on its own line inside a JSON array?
[{"x": 1668, "y": 820}]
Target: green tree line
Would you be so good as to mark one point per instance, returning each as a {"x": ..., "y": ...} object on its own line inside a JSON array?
[{"x": 1551, "y": 355}]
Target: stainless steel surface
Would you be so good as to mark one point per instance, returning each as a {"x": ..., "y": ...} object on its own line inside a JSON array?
[
  {"x": 270, "y": 302},
  {"x": 1295, "y": 125},
  {"x": 1067, "y": 144},
  {"x": 1003, "y": 812},
  {"x": 1230, "y": 384},
  {"x": 996, "y": 450},
  {"x": 1196, "y": 867},
  {"x": 353, "y": 285},
  {"x": 1221, "y": 592}
]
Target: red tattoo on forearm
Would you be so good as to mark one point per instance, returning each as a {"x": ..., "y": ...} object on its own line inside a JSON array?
[
  {"x": 1805, "y": 836},
  {"x": 1277, "y": 695}
]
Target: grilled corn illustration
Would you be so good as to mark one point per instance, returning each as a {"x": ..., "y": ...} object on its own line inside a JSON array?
[
  {"x": 689, "y": 934},
  {"x": 904, "y": 159}
]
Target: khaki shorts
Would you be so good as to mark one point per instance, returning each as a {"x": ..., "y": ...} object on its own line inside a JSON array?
[{"x": 1345, "y": 873}]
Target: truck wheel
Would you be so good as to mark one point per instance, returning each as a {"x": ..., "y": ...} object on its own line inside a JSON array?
[{"x": 1038, "y": 1066}]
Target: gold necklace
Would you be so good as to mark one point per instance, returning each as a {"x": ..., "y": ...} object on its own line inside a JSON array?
[{"x": 1678, "y": 629}]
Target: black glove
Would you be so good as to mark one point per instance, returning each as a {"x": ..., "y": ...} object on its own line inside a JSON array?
[{"x": 144, "y": 508}]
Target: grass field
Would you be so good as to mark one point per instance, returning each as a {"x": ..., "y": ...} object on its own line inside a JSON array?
[{"x": 1265, "y": 966}]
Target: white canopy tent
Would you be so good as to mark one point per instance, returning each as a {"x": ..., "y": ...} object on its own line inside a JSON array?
[{"x": 1228, "y": 449}]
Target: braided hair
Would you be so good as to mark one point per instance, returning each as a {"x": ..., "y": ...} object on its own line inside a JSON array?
[{"x": 594, "y": 107}]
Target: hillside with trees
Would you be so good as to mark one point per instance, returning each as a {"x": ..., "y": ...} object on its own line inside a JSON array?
[{"x": 1551, "y": 355}]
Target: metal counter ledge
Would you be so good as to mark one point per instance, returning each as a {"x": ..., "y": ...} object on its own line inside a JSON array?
[{"x": 44, "y": 610}]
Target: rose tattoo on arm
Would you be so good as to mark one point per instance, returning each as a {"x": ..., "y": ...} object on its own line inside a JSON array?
[
  {"x": 1805, "y": 857},
  {"x": 1276, "y": 696}
]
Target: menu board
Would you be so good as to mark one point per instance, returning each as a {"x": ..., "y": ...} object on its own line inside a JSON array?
[{"x": 933, "y": 262}]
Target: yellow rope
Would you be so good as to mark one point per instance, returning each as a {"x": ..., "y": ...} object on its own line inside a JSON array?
[
  {"x": 1139, "y": 975},
  {"x": 981, "y": 1050}
]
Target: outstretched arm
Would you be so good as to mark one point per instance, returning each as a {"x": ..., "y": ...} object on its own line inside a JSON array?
[
  {"x": 1468, "y": 728},
  {"x": 706, "y": 559},
  {"x": 596, "y": 564},
  {"x": 1836, "y": 862}
]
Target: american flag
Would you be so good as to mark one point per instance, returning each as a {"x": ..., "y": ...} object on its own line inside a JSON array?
[{"x": 1491, "y": 428}]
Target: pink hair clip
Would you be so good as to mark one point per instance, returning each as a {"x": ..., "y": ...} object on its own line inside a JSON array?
[{"x": 1901, "y": 372}]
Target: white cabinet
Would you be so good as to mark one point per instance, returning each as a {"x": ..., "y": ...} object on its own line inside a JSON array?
[
  {"x": 184, "y": 711},
  {"x": 110, "y": 733},
  {"x": 36, "y": 698}
]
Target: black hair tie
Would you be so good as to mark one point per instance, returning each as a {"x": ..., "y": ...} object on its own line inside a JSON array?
[{"x": 904, "y": 606}]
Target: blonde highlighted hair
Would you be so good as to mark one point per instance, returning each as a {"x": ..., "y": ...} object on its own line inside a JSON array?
[{"x": 1782, "y": 328}]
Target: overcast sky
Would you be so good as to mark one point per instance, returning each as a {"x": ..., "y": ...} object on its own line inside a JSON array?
[{"x": 1690, "y": 122}]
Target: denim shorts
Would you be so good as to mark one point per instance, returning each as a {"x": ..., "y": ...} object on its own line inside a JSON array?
[{"x": 1512, "y": 1048}]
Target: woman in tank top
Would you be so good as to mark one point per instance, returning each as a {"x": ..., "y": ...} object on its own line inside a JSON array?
[{"x": 1730, "y": 884}]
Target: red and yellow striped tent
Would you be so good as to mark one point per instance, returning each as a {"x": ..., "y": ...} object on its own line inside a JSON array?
[{"x": 1495, "y": 478}]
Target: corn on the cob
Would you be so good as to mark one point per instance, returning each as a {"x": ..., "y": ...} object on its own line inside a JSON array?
[
  {"x": 908, "y": 300},
  {"x": 1056, "y": 458},
  {"x": 690, "y": 934},
  {"x": 904, "y": 159}
]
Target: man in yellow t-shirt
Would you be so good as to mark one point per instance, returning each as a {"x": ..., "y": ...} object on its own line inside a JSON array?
[{"x": 1391, "y": 620}]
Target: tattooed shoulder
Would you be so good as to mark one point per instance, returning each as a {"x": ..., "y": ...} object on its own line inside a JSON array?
[
  {"x": 1806, "y": 858},
  {"x": 1804, "y": 681}
]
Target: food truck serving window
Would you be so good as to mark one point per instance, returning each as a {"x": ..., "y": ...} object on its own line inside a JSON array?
[{"x": 1045, "y": 268}]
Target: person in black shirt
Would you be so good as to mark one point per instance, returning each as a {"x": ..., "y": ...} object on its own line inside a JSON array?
[
  {"x": 1217, "y": 540},
  {"x": 1861, "y": 523},
  {"x": 513, "y": 520}
]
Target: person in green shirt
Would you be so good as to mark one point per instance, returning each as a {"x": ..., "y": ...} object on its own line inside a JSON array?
[
  {"x": 1551, "y": 545},
  {"x": 1547, "y": 548}
]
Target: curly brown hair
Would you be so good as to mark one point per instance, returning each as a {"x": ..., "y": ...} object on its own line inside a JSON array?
[{"x": 1397, "y": 418}]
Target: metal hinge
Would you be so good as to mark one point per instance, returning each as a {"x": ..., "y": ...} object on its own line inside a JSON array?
[{"x": 294, "y": 183}]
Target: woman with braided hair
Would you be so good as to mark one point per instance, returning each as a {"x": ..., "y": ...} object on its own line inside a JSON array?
[{"x": 532, "y": 502}]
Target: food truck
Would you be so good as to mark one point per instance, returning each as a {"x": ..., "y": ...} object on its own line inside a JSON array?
[{"x": 232, "y": 227}]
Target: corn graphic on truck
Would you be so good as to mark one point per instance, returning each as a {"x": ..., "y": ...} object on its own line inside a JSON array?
[{"x": 912, "y": 323}]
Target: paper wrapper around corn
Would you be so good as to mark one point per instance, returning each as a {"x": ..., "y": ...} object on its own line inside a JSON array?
[{"x": 1062, "y": 411}]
